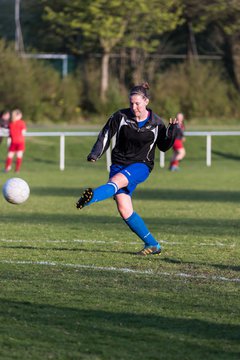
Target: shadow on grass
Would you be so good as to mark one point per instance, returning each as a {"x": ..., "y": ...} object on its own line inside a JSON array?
[
  {"x": 27, "y": 247},
  {"x": 115, "y": 335},
  {"x": 197, "y": 263},
  {"x": 188, "y": 195},
  {"x": 183, "y": 226},
  {"x": 43, "y": 160},
  {"x": 163, "y": 259},
  {"x": 149, "y": 194},
  {"x": 226, "y": 155}
]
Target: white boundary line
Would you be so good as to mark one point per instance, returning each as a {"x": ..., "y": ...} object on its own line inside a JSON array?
[
  {"x": 121, "y": 270},
  {"x": 217, "y": 244}
]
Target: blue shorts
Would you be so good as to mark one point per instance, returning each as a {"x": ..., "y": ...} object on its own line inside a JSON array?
[{"x": 135, "y": 173}]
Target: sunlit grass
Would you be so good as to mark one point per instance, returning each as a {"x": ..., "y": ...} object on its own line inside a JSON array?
[{"x": 71, "y": 286}]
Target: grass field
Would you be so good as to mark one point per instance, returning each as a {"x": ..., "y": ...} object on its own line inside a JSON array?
[{"x": 71, "y": 286}]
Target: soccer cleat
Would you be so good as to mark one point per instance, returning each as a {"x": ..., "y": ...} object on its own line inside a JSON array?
[
  {"x": 85, "y": 198},
  {"x": 150, "y": 250}
]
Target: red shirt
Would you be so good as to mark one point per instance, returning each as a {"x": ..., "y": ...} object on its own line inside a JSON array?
[{"x": 16, "y": 131}]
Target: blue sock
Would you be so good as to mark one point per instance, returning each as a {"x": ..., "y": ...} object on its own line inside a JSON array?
[
  {"x": 137, "y": 225},
  {"x": 104, "y": 192}
]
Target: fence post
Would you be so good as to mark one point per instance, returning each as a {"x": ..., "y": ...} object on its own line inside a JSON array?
[
  {"x": 62, "y": 152},
  {"x": 162, "y": 159},
  {"x": 209, "y": 150},
  {"x": 65, "y": 66}
]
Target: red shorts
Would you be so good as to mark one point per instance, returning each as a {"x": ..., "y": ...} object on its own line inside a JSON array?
[
  {"x": 177, "y": 145},
  {"x": 17, "y": 147}
]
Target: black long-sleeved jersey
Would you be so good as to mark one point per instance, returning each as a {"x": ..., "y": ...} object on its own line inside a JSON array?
[{"x": 133, "y": 144}]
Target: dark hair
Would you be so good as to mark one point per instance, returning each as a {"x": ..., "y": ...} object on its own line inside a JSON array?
[
  {"x": 140, "y": 90},
  {"x": 3, "y": 112}
]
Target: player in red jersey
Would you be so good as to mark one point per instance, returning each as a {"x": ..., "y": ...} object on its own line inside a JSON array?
[
  {"x": 17, "y": 129},
  {"x": 179, "y": 151}
]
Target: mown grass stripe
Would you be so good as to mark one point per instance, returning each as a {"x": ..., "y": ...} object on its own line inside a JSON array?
[
  {"x": 122, "y": 270},
  {"x": 218, "y": 244}
]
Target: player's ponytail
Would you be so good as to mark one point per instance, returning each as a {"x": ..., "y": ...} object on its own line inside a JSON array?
[
  {"x": 141, "y": 90},
  {"x": 145, "y": 85}
]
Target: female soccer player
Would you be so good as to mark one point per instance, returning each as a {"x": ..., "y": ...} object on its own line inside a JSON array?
[
  {"x": 137, "y": 130},
  {"x": 17, "y": 129},
  {"x": 179, "y": 151}
]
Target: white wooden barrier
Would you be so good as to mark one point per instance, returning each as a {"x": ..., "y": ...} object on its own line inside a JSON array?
[
  {"x": 208, "y": 135},
  {"x": 62, "y": 136}
]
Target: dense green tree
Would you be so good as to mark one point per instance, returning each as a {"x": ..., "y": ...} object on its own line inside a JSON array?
[
  {"x": 7, "y": 22},
  {"x": 226, "y": 16},
  {"x": 219, "y": 19},
  {"x": 135, "y": 24},
  {"x": 193, "y": 21},
  {"x": 99, "y": 22},
  {"x": 149, "y": 20},
  {"x": 37, "y": 33}
]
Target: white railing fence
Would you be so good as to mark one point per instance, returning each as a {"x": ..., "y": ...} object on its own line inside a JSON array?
[
  {"x": 63, "y": 135},
  {"x": 208, "y": 135}
]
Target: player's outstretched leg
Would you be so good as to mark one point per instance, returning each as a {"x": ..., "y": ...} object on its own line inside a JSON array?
[
  {"x": 85, "y": 198},
  {"x": 101, "y": 193}
]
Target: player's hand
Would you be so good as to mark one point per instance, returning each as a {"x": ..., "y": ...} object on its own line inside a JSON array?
[
  {"x": 90, "y": 158},
  {"x": 173, "y": 121}
]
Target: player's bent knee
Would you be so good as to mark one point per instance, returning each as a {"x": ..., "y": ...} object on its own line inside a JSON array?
[
  {"x": 125, "y": 213},
  {"x": 125, "y": 210},
  {"x": 124, "y": 205},
  {"x": 120, "y": 180}
]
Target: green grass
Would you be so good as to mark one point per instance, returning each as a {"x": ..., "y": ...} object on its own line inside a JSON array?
[{"x": 65, "y": 289}]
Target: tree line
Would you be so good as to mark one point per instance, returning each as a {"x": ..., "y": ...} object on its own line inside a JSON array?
[{"x": 119, "y": 43}]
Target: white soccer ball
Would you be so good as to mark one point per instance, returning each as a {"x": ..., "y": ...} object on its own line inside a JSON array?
[{"x": 16, "y": 191}]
